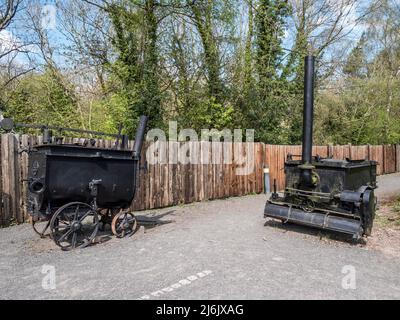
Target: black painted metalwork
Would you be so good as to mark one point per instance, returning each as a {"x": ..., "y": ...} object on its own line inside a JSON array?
[
  {"x": 71, "y": 185},
  {"x": 308, "y": 114},
  {"x": 308, "y": 111},
  {"x": 331, "y": 194}
]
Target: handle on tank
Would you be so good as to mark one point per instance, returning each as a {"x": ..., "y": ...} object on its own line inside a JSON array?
[{"x": 139, "y": 137}]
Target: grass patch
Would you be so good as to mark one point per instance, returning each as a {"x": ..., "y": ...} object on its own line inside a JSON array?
[
  {"x": 388, "y": 215},
  {"x": 396, "y": 206}
]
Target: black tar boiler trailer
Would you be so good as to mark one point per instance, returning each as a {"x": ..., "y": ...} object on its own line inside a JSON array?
[
  {"x": 328, "y": 194},
  {"x": 74, "y": 187}
]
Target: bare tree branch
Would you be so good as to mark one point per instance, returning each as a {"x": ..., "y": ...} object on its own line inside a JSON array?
[{"x": 7, "y": 12}]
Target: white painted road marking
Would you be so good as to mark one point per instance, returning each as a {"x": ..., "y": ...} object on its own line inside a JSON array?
[{"x": 184, "y": 282}]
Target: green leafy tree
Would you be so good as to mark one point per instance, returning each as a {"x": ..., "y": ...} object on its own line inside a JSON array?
[
  {"x": 266, "y": 114},
  {"x": 135, "y": 71},
  {"x": 355, "y": 66},
  {"x": 40, "y": 98}
]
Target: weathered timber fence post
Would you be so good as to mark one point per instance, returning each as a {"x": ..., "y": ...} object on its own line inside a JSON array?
[
  {"x": 350, "y": 151},
  {"x": 397, "y": 157},
  {"x": 330, "y": 150},
  {"x": 369, "y": 151},
  {"x": 10, "y": 179}
]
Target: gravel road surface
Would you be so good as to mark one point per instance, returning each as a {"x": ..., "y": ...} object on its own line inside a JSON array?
[{"x": 213, "y": 250}]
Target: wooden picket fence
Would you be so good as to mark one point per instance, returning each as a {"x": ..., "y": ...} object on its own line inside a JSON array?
[{"x": 169, "y": 183}]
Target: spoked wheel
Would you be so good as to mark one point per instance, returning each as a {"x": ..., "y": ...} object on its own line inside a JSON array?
[
  {"x": 74, "y": 225},
  {"x": 41, "y": 227},
  {"x": 124, "y": 224}
]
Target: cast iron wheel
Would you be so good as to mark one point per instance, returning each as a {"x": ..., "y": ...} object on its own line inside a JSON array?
[
  {"x": 368, "y": 210},
  {"x": 124, "y": 224},
  {"x": 41, "y": 227},
  {"x": 74, "y": 225}
]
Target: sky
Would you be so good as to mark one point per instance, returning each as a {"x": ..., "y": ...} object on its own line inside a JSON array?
[{"x": 15, "y": 35}]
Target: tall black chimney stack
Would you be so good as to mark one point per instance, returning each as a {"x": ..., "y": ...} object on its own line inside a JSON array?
[
  {"x": 308, "y": 115},
  {"x": 308, "y": 112}
]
